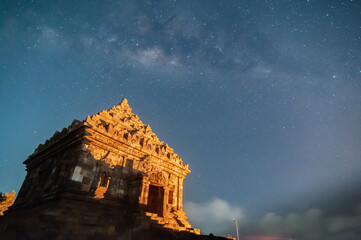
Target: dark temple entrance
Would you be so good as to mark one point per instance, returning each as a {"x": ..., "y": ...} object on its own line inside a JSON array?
[{"x": 155, "y": 200}]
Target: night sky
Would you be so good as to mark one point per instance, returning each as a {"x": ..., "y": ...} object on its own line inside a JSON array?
[{"x": 261, "y": 98}]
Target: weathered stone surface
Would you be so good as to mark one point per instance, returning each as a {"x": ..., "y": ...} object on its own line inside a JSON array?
[
  {"x": 6, "y": 201},
  {"x": 107, "y": 177}
]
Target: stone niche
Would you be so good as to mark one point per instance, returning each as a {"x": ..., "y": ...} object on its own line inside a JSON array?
[{"x": 108, "y": 176}]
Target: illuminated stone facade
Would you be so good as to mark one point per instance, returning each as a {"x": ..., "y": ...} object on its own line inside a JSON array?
[
  {"x": 106, "y": 176},
  {"x": 153, "y": 172}
]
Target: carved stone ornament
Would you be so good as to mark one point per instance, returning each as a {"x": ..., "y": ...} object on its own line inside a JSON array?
[
  {"x": 122, "y": 126},
  {"x": 158, "y": 178},
  {"x": 146, "y": 167}
]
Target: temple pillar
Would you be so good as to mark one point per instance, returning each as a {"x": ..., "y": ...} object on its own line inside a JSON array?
[
  {"x": 165, "y": 201},
  {"x": 144, "y": 192},
  {"x": 180, "y": 194}
]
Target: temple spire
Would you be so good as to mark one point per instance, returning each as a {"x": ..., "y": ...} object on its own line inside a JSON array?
[{"x": 124, "y": 105}]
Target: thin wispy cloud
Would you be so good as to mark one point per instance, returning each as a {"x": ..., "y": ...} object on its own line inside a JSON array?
[{"x": 213, "y": 216}]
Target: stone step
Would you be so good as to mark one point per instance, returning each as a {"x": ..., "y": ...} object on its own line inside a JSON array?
[
  {"x": 151, "y": 214},
  {"x": 154, "y": 218}
]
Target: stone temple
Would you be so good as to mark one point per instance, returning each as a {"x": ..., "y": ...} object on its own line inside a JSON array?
[{"x": 107, "y": 177}]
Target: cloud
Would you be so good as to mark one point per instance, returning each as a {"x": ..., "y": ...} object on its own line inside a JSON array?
[
  {"x": 152, "y": 58},
  {"x": 213, "y": 216},
  {"x": 49, "y": 33},
  {"x": 339, "y": 224},
  {"x": 143, "y": 24},
  {"x": 311, "y": 224}
]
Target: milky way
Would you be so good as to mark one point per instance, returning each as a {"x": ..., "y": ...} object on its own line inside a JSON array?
[{"x": 261, "y": 98}]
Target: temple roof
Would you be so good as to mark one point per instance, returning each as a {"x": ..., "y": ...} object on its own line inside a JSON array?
[
  {"x": 120, "y": 123},
  {"x": 120, "y": 118}
]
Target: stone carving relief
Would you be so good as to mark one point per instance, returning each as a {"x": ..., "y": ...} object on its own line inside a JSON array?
[
  {"x": 158, "y": 178},
  {"x": 146, "y": 167},
  {"x": 172, "y": 179},
  {"x": 121, "y": 124}
]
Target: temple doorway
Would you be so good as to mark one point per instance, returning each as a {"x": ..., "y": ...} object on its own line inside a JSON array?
[{"x": 155, "y": 200}]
